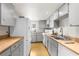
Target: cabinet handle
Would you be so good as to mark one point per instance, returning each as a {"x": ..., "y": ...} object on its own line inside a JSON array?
[{"x": 14, "y": 46}]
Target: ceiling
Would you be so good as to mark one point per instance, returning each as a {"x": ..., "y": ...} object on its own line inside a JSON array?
[{"x": 36, "y": 11}]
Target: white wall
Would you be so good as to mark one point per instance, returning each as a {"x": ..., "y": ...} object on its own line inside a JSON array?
[
  {"x": 3, "y": 30},
  {"x": 37, "y": 25}
]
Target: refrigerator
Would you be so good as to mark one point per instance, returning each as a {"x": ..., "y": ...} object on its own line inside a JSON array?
[{"x": 22, "y": 28}]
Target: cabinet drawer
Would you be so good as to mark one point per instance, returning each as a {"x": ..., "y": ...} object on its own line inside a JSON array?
[
  {"x": 54, "y": 43},
  {"x": 16, "y": 45}
]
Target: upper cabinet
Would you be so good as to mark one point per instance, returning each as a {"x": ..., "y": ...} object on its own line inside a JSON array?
[
  {"x": 53, "y": 18},
  {"x": 63, "y": 10},
  {"x": 51, "y": 25},
  {"x": 61, "y": 15},
  {"x": 74, "y": 14},
  {"x": 55, "y": 15},
  {"x": 8, "y": 15}
]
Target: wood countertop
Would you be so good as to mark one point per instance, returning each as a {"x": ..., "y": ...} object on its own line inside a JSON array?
[
  {"x": 8, "y": 42},
  {"x": 73, "y": 47}
]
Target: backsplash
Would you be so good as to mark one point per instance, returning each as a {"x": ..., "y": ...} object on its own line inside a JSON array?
[
  {"x": 71, "y": 31},
  {"x": 3, "y": 30}
]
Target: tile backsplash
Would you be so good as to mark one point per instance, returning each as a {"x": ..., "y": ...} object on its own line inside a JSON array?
[
  {"x": 3, "y": 30},
  {"x": 71, "y": 31}
]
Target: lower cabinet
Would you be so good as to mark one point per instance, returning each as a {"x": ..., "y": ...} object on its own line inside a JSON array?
[
  {"x": 21, "y": 47},
  {"x": 15, "y": 50},
  {"x": 6, "y": 53},
  {"x": 39, "y": 37},
  {"x": 53, "y": 47},
  {"x": 36, "y": 37},
  {"x": 63, "y": 51},
  {"x": 56, "y": 49}
]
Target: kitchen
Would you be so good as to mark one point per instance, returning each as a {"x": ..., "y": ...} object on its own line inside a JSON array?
[{"x": 24, "y": 25}]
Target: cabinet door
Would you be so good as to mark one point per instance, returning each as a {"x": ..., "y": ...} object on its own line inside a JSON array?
[
  {"x": 39, "y": 36},
  {"x": 15, "y": 49},
  {"x": 74, "y": 13},
  {"x": 55, "y": 15},
  {"x": 63, "y": 51},
  {"x": 6, "y": 53},
  {"x": 53, "y": 47},
  {"x": 21, "y": 50},
  {"x": 33, "y": 37},
  {"x": 6, "y": 15},
  {"x": 64, "y": 9},
  {"x": 16, "y": 52},
  {"x": 49, "y": 46},
  {"x": 51, "y": 22}
]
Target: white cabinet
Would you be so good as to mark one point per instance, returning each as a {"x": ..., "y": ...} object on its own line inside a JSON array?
[
  {"x": 49, "y": 47},
  {"x": 39, "y": 37},
  {"x": 7, "y": 15},
  {"x": 53, "y": 47},
  {"x": 63, "y": 9},
  {"x": 47, "y": 21},
  {"x": 6, "y": 53},
  {"x": 74, "y": 14},
  {"x": 15, "y": 50},
  {"x": 33, "y": 37},
  {"x": 63, "y": 51},
  {"x": 51, "y": 25},
  {"x": 36, "y": 37},
  {"x": 55, "y": 15},
  {"x": 21, "y": 47}
]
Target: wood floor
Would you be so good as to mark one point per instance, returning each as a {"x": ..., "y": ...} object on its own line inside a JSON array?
[{"x": 38, "y": 49}]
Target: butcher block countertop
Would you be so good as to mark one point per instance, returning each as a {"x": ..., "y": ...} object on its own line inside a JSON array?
[
  {"x": 73, "y": 47},
  {"x": 8, "y": 42}
]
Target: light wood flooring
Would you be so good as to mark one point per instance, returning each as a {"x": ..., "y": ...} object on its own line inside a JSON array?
[{"x": 38, "y": 49}]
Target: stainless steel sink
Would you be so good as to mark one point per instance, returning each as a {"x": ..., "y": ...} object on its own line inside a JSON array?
[
  {"x": 61, "y": 37},
  {"x": 58, "y": 37}
]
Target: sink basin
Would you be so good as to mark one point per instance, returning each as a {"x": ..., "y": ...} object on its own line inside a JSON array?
[{"x": 57, "y": 37}]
